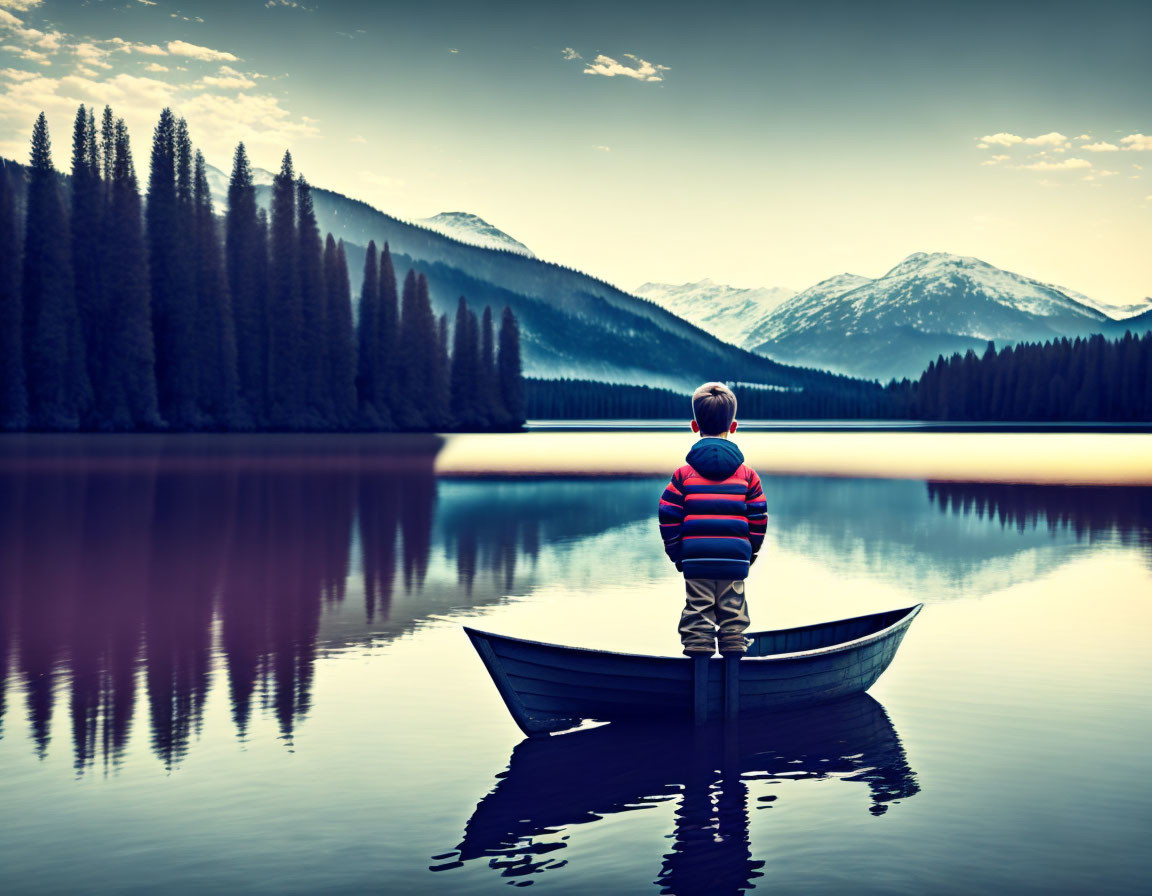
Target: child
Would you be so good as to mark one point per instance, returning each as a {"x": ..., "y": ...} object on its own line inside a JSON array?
[{"x": 712, "y": 519}]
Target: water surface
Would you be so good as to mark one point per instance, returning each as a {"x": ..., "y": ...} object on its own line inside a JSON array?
[{"x": 236, "y": 665}]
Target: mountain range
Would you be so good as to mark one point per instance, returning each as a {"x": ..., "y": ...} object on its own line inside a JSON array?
[
  {"x": 894, "y": 325},
  {"x": 572, "y": 324},
  {"x": 729, "y": 312}
]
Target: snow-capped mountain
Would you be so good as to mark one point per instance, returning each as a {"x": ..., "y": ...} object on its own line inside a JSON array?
[
  {"x": 1116, "y": 312},
  {"x": 727, "y": 312},
  {"x": 469, "y": 228},
  {"x": 218, "y": 184},
  {"x": 929, "y": 304}
]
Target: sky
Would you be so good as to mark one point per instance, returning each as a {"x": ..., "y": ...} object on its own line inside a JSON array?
[{"x": 756, "y": 144}]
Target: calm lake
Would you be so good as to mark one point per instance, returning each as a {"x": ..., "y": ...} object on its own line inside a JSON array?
[{"x": 235, "y": 664}]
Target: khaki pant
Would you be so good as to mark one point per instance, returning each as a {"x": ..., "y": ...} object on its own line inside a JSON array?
[{"x": 712, "y": 604}]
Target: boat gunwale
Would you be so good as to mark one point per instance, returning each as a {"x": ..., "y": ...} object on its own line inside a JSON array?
[{"x": 907, "y": 615}]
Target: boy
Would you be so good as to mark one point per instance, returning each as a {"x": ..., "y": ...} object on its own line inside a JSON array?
[{"x": 712, "y": 518}]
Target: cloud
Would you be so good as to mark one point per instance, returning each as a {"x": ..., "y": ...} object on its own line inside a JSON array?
[
  {"x": 569, "y": 53},
  {"x": 20, "y": 5},
  {"x": 1102, "y": 146},
  {"x": 91, "y": 55},
  {"x": 358, "y": 139},
  {"x": 16, "y": 74},
  {"x": 1062, "y": 165},
  {"x": 1001, "y": 139},
  {"x": 155, "y": 67},
  {"x": 1053, "y": 138},
  {"x": 254, "y": 118},
  {"x": 291, "y": 4},
  {"x": 995, "y": 160},
  {"x": 638, "y": 69},
  {"x": 602, "y": 148},
  {"x": 228, "y": 79},
  {"x": 147, "y": 2},
  {"x": 1084, "y": 137},
  {"x": 1137, "y": 142},
  {"x": 453, "y": 50},
  {"x": 204, "y": 54}
]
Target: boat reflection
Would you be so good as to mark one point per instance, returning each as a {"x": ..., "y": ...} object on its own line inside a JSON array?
[{"x": 554, "y": 784}]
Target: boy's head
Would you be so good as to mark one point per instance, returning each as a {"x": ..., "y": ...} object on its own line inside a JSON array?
[{"x": 714, "y": 410}]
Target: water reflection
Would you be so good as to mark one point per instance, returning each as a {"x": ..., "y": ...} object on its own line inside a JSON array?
[
  {"x": 133, "y": 571},
  {"x": 554, "y": 784},
  {"x": 1086, "y": 512}
]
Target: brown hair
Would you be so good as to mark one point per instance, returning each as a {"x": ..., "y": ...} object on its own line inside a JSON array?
[{"x": 714, "y": 407}]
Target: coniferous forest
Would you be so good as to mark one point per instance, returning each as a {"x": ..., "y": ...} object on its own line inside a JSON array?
[
  {"x": 1079, "y": 380},
  {"x": 127, "y": 313}
]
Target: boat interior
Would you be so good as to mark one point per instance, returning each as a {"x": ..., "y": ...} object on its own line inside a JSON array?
[{"x": 823, "y": 634}]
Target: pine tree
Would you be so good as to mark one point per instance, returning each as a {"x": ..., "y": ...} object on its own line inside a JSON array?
[
  {"x": 367, "y": 336},
  {"x": 314, "y": 362},
  {"x": 508, "y": 369},
  {"x": 389, "y": 317},
  {"x": 86, "y": 231},
  {"x": 284, "y": 378},
  {"x": 130, "y": 401},
  {"x": 13, "y": 394},
  {"x": 54, "y": 364},
  {"x": 422, "y": 406},
  {"x": 340, "y": 350},
  {"x": 219, "y": 386},
  {"x": 440, "y": 373},
  {"x": 490, "y": 409},
  {"x": 246, "y": 258},
  {"x": 463, "y": 367},
  {"x": 107, "y": 146},
  {"x": 169, "y": 228}
]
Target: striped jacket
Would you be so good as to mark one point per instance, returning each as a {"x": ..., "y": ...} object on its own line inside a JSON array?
[{"x": 713, "y": 514}]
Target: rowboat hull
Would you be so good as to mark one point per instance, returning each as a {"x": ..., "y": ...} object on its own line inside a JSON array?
[{"x": 548, "y": 687}]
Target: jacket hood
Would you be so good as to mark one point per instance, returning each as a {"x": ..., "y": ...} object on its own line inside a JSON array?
[{"x": 715, "y": 458}]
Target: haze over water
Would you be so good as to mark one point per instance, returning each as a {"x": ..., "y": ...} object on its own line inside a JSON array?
[{"x": 233, "y": 663}]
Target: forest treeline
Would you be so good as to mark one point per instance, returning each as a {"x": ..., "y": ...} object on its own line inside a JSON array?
[
  {"x": 119, "y": 314},
  {"x": 1082, "y": 379}
]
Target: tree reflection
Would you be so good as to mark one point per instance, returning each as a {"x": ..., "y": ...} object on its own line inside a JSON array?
[
  {"x": 113, "y": 566},
  {"x": 1090, "y": 513}
]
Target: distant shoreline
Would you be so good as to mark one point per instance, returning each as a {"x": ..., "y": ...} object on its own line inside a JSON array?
[{"x": 840, "y": 426}]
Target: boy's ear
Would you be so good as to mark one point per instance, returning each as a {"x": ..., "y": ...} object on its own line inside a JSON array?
[
  {"x": 695, "y": 426},
  {"x": 732, "y": 428}
]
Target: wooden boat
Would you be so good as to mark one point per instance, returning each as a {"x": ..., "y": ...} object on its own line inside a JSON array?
[{"x": 548, "y": 687}]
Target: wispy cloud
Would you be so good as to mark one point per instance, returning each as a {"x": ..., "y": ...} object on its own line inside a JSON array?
[
  {"x": 636, "y": 68},
  {"x": 1001, "y": 139},
  {"x": 1102, "y": 146},
  {"x": 1051, "y": 139},
  {"x": 20, "y": 5},
  {"x": 195, "y": 51},
  {"x": 229, "y": 78},
  {"x": 602, "y": 148},
  {"x": 569, "y": 53},
  {"x": 1062, "y": 165},
  {"x": 996, "y": 160}
]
